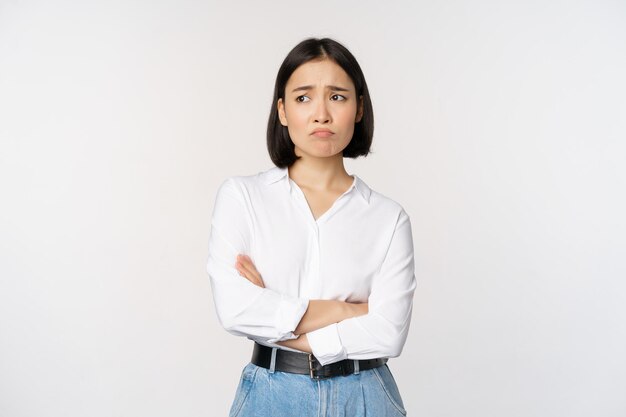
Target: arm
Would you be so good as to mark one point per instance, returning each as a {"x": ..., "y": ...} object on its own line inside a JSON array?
[
  {"x": 383, "y": 330},
  {"x": 301, "y": 343},
  {"x": 244, "y": 308},
  {"x": 320, "y": 313}
]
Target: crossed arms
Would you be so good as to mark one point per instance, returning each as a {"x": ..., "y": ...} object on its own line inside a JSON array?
[
  {"x": 319, "y": 313},
  {"x": 330, "y": 329}
]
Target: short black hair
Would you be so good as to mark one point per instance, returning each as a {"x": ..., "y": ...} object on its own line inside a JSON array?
[{"x": 279, "y": 143}]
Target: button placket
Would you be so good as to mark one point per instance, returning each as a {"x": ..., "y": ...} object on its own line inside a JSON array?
[
  {"x": 311, "y": 269},
  {"x": 315, "y": 263},
  {"x": 303, "y": 205}
]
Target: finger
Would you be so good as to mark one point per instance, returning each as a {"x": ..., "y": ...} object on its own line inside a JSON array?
[
  {"x": 240, "y": 269},
  {"x": 249, "y": 265},
  {"x": 243, "y": 271},
  {"x": 252, "y": 268}
]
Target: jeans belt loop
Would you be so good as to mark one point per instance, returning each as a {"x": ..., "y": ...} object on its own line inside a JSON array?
[
  {"x": 356, "y": 366},
  {"x": 311, "y": 373},
  {"x": 273, "y": 361}
]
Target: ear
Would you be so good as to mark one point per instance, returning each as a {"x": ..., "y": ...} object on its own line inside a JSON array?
[
  {"x": 281, "y": 112},
  {"x": 359, "y": 112}
]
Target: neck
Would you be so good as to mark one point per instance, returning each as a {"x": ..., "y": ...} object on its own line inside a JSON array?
[{"x": 320, "y": 173}]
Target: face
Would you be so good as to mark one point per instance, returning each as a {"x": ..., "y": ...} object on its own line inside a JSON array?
[{"x": 320, "y": 95}]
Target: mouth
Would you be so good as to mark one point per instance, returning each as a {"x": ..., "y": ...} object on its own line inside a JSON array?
[{"x": 322, "y": 133}]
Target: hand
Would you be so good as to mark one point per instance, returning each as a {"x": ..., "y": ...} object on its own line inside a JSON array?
[
  {"x": 246, "y": 269},
  {"x": 301, "y": 343}
]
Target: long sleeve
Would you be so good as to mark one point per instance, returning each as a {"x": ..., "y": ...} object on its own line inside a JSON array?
[
  {"x": 242, "y": 308},
  {"x": 383, "y": 331}
]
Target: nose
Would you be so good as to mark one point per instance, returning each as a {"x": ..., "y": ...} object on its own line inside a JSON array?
[{"x": 322, "y": 115}]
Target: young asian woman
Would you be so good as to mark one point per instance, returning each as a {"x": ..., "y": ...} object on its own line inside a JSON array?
[{"x": 308, "y": 261}]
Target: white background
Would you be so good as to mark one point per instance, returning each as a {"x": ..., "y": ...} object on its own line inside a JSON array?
[{"x": 500, "y": 127}]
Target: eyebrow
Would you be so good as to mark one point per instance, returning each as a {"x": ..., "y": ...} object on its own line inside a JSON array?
[{"x": 330, "y": 87}]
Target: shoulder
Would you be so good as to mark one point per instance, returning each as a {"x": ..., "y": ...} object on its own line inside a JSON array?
[
  {"x": 383, "y": 203},
  {"x": 243, "y": 184}
]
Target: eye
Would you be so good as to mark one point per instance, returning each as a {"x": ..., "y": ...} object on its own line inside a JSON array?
[
  {"x": 343, "y": 98},
  {"x": 299, "y": 97}
]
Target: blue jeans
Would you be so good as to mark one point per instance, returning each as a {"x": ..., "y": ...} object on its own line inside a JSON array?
[{"x": 263, "y": 393}]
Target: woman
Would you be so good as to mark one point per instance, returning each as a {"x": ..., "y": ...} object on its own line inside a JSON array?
[{"x": 308, "y": 261}]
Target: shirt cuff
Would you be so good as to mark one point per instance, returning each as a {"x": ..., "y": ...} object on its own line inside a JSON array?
[
  {"x": 326, "y": 345},
  {"x": 288, "y": 315}
]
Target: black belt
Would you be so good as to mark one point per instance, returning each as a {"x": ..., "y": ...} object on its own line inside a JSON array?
[{"x": 307, "y": 363}]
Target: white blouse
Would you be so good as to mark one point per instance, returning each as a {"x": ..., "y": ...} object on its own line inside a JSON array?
[{"x": 360, "y": 250}]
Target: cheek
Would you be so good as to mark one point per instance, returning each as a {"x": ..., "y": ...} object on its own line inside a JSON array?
[
  {"x": 347, "y": 121},
  {"x": 297, "y": 124},
  {"x": 347, "y": 115},
  {"x": 296, "y": 116}
]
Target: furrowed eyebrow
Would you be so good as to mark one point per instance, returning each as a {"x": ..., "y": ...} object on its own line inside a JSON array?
[{"x": 328, "y": 87}]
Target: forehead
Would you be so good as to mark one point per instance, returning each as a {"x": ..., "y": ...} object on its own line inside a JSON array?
[{"x": 319, "y": 73}]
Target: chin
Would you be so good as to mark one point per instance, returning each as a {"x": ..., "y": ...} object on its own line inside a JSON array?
[
  {"x": 322, "y": 154},
  {"x": 321, "y": 151}
]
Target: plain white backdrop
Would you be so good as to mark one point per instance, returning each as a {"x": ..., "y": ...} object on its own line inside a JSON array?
[{"x": 500, "y": 127}]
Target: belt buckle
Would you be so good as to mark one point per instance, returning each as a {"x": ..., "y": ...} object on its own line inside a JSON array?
[{"x": 312, "y": 370}]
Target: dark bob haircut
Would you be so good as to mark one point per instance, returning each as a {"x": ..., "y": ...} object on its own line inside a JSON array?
[{"x": 279, "y": 143}]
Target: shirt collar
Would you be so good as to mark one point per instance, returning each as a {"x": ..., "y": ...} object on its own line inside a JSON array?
[{"x": 277, "y": 174}]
